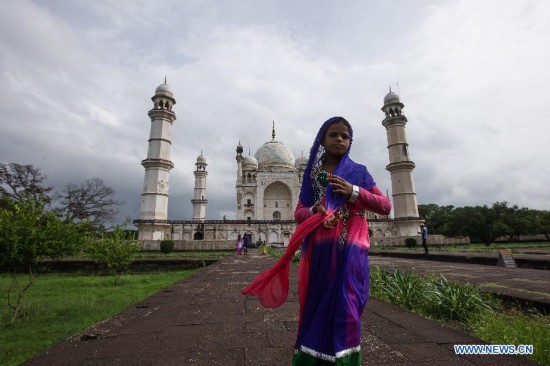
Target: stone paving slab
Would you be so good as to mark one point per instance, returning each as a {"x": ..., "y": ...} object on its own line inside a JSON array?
[{"x": 203, "y": 320}]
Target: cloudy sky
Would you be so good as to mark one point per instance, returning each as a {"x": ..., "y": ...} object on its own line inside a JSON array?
[{"x": 76, "y": 78}]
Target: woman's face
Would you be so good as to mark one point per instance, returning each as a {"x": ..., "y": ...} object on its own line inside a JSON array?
[{"x": 337, "y": 140}]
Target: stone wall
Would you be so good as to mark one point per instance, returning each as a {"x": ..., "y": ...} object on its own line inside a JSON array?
[
  {"x": 191, "y": 245},
  {"x": 432, "y": 240}
]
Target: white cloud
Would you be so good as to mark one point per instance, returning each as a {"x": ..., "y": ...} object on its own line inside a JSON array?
[{"x": 76, "y": 80}]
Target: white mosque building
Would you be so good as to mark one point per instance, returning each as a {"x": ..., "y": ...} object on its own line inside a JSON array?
[{"x": 267, "y": 188}]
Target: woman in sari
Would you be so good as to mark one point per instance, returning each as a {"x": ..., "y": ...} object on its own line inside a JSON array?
[{"x": 334, "y": 274}]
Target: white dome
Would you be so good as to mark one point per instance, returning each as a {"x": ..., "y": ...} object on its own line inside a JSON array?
[
  {"x": 250, "y": 162},
  {"x": 274, "y": 154},
  {"x": 391, "y": 97},
  {"x": 201, "y": 159},
  {"x": 164, "y": 89},
  {"x": 301, "y": 162}
]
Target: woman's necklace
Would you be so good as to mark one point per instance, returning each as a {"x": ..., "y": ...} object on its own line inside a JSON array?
[{"x": 322, "y": 178}]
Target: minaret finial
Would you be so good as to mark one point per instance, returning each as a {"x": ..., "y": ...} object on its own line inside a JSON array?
[
  {"x": 389, "y": 86},
  {"x": 248, "y": 151},
  {"x": 273, "y": 131},
  {"x": 164, "y": 79}
]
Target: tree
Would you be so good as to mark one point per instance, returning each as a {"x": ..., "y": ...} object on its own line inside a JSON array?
[
  {"x": 19, "y": 181},
  {"x": 542, "y": 223},
  {"x": 93, "y": 201},
  {"x": 28, "y": 236},
  {"x": 519, "y": 221},
  {"x": 435, "y": 216},
  {"x": 479, "y": 223}
]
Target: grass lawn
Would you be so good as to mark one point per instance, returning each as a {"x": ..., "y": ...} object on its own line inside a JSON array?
[
  {"x": 57, "y": 306},
  {"x": 194, "y": 254},
  {"x": 466, "y": 308},
  {"x": 476, "y": 247}
]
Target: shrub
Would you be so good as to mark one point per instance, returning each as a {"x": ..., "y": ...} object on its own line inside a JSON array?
[
  {"x": 404, "y": 288},
  {"x": 296, "y": 257},
  {"x": 410, "y": 242},
  {"x": 455, "y": 301},
  {"x": 114, "y": 252},
  {"x": 167, "y": 246}
]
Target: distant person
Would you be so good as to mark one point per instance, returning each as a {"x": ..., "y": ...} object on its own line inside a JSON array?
[
  {"x": 424, "y": 232},
  {"x": 239, "y": 245},
  {"x": 264, "y": 247},
  {"x": 245, "y": 245}
]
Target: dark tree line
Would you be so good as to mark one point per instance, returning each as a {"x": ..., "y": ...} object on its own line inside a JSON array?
[
  {"x": 486, "y": 223},
  {"x": 92, "y": 201}
]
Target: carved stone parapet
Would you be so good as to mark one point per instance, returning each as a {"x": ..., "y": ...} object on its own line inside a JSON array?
[
  {"x": 396, "y": 120},
  {"x": 162, "y": 113}
]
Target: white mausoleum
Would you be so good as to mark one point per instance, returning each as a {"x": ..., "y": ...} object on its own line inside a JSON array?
[{"x": 267, "y": 188}]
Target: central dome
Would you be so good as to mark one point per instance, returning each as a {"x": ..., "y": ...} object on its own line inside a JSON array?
[{"x": 274, "y": 154}]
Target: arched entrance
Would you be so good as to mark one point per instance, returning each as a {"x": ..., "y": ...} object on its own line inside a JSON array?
[{"x": 278, "y": 198}]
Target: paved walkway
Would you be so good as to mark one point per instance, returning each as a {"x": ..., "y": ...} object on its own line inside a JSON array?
[{"x": 203, "y": 320}]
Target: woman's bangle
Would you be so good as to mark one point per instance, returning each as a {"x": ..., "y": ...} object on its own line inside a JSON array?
[
  {"x": 354, "y": 194},
  {"x": 312, "y": 210}
]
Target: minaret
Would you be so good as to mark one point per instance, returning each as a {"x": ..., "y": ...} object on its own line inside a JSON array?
[
  {"x": 405, "y": 207},
  {"x": 153, "y": 214},
  {"x": 239, "y": 183},
  {"x": 239, "y": 159},
  {"x": 199, "y": 200}
]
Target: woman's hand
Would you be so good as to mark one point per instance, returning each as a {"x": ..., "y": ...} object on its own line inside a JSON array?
[
  {"x": 330, "y": 222},
  {"x": 319, "y": 208},
  {"x": 340, "y": 186}
]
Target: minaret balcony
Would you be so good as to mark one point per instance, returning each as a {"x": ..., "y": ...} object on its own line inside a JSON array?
[
  {"x": 400, "y": 165},
  {"x": 199, "y": 201},
  {"x": 157, "y": 163},
  {"x": 162, "y": 113},
  {"x": 395, "y": 120}
]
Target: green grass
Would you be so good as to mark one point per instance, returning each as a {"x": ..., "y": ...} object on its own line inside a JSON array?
[
  {"x": 476, "y": 247},
  {"x": 516, "y": 328},
  {"x": 465, "y": 307},
  {"x": 187, "y": 254},
  {"x": 195, "y": 254},
  {"x": 57, "y": 306}
]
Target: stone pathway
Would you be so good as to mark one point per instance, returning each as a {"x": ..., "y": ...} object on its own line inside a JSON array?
[{"x": 203, "y": 320}]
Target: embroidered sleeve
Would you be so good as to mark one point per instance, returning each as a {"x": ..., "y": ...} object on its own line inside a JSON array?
[{"x": 373, "y": 200}]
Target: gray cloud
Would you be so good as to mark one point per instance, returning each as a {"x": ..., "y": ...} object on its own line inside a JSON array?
[{"x": 76, "y": 81}]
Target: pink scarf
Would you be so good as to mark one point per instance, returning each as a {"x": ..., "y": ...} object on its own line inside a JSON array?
[{"x": 271, "y": 286}]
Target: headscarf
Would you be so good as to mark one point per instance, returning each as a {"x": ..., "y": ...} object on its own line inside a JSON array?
[
  {"x": 272, "y": 286},
  {"x": 347, "y": 169}
]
